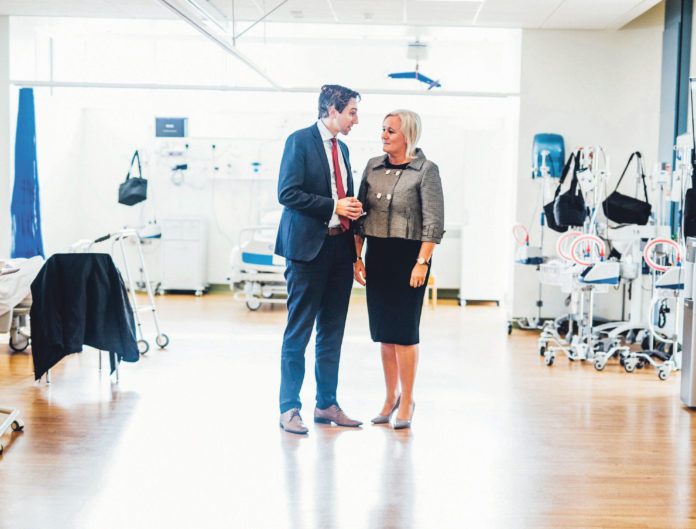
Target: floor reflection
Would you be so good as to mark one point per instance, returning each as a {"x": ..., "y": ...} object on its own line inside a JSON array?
[
  {"x": 394, "y": 506},
  {"x": 290, "y": 444}
]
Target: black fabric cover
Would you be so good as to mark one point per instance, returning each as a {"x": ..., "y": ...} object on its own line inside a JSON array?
[
  {"x": 80, "y": 299},
  {"x": 690, "y": 213},
  {"x": 548, "y": 208},
  {"x": 551, "y": 220},
  {"x": 569, "y": 208},
  {"x": 624, "y": 209},
  {"x": 690, "y": 197}
]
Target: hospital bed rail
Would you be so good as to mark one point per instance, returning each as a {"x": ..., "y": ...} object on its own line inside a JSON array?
[{"x": 12, "y": 421}]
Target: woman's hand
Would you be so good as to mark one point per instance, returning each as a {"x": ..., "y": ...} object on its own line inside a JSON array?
[
  {"x": 418, "y": 275},
  {"x": 359, "y": 271}
]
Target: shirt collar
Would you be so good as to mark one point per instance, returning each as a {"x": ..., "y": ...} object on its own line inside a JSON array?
[{"x": 323, "y": 131}]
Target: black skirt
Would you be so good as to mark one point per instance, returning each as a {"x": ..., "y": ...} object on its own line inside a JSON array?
[{"x": 393, "y": 305}]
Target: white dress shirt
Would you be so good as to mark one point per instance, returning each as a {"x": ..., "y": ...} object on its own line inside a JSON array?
[{"x": 326, "y": 137}]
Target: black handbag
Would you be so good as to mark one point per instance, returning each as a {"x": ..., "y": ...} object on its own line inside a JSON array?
[
  {"x": 548, "y": 208},
  {"x": 624, "y": 209},
  {"x": 133, "y": 190}
]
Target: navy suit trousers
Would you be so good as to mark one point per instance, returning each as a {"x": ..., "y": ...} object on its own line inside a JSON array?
[{"x": 318, "y": 291}]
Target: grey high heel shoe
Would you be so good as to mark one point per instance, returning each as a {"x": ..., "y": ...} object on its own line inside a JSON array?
[
  {"x": 384, "y": 419},
  {"x": 400, "y": 424}
]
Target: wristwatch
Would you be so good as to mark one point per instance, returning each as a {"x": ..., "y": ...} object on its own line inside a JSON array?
[{"x": 421, "y": 260}]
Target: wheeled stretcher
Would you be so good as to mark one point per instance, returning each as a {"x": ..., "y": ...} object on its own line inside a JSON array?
[{"x": 256, "y": 269}]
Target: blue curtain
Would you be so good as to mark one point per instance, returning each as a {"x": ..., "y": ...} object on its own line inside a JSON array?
[{"x": 25, "y": 209}]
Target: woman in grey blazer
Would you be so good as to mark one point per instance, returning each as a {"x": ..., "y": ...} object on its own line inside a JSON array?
[{"x": 402, "y": 198}]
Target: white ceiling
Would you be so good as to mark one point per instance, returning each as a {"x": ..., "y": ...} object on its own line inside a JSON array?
[{"x": 547, "y": 14}]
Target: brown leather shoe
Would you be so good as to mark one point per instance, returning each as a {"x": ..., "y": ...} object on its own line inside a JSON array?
[
  {"x": 334, "y": 414},
  {"x": 290, "y": 421}
]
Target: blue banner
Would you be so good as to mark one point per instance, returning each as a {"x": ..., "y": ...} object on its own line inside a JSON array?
[{"x": 26, "y": 209}]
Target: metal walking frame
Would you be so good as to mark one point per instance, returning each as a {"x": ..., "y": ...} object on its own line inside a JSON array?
[{"x": 162, "y": 340}]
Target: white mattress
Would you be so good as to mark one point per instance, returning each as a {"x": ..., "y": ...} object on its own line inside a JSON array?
[{"x": 15, "y": 287}]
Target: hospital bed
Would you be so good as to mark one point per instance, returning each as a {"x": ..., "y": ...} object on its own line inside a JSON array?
[
  {"x": 256, "y": 269},
  {"x": 15, "y": 299}
]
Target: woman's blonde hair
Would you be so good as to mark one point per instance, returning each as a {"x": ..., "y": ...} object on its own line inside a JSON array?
[{"x": 410, "y": 128}]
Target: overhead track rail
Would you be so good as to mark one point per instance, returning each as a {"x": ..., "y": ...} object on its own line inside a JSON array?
[
  {"x": 220, "y": 39},
  {"x": 229, "y": 88},
  {"x": 234, "y": 39}
]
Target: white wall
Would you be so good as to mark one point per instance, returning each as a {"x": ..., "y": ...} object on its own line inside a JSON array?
[
  {"x": 594, "y": 88},
  {"x": 85, "y": 137}
]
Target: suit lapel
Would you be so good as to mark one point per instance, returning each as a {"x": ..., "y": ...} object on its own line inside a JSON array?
[{"x": 321, "y": 153}]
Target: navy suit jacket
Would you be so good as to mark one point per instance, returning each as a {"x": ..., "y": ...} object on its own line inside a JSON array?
[{"x": 304, "y": 188}]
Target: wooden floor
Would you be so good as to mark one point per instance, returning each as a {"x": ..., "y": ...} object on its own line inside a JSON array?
[{"x": 190, "y": 439}]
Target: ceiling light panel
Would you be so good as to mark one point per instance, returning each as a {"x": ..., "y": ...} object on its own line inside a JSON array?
[
  {"x": 435, "y": 12},
  {"x": 133, "y": 9},
  {"x": 516, "y": 13},
  {"x": 243, "y": 9},
  {"x": 300, "y": 11},
  {"x": 362, "y": 11}
]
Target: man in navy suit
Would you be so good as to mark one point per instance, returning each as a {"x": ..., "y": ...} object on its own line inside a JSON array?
[{"x": 316, "y": 187}]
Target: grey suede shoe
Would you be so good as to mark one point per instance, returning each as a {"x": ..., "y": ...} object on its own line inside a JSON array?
[
  {"x": 291, "y": 421},
  {"x": 384, "y": 419},
  {"x": 400, "y": 424},
  {"x": 334, "y": 414}
]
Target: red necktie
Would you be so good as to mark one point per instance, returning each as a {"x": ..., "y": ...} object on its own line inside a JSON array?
[{"x": 345, "y": 223}]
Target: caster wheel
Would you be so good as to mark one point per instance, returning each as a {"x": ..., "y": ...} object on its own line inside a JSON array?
[
  {"x": 509, "y": 328},
  {"x": 17, "y": 426},
  {"x": 640, "y": 365},
  {"x": 20, "y": 345},
  {"x": 599, "y": 365},
  {"x": 571, "y": 359},
  {"x": 549, "y": 360},
  {"x": 2, "y": 449},
  {"x": 542, "y": 350},
  {"x": 663, "y": 374},
  {"x": 143, "y": 347},
  {"x": 253, "y": 304},
  {"x": 622, "y": 361},
  {"x": 199, "y": 293},
  {"x": 162, "y": 341},
  {"x": 629, "y": 367}
]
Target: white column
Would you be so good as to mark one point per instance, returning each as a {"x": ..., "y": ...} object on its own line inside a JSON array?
[{"x": 5, "y": 127}]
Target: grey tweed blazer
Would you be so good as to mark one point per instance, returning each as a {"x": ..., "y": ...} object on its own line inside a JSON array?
[{"x": 405, "y": 204}]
